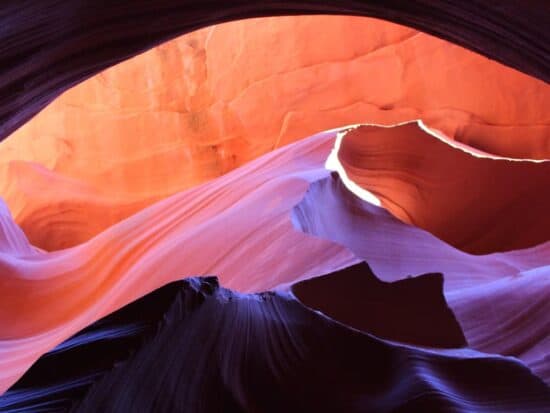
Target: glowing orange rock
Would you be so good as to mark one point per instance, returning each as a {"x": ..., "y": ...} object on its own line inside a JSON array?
[
  {"x": 475, "y": 202},
  {"x": 201, "y": 105},
  {"x": 238, "y": 227}
]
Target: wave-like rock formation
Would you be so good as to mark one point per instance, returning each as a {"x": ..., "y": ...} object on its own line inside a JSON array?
[
  {"x": 500, "y": 299},
  {"x": 214, "y": 350},
  {"x": 242, "y": 226},
  {"x": 206, "y": 103},
  {"x": 237, "y": 226},
  {"x": 191, "y": 160},
  {"x": 476, "y": 203}
]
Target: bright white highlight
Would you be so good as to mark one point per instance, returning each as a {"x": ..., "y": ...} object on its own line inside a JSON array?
[{"x": 333, "y": 164}]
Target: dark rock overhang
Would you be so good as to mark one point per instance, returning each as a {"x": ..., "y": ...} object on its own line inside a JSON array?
[{"x": 48, "y": 46}]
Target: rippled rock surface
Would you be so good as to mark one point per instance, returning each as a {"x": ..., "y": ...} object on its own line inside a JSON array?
[{"x": 193, "y": 346}]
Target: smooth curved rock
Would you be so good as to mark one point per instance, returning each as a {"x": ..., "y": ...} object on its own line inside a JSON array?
[
  {"x": 238, "y": 226},
  {"x": 193, "y": 109},
  {"x": 500, "y": 299},
  {"x": 478, "y": 203},
  {"x": 215, "y": 350}
]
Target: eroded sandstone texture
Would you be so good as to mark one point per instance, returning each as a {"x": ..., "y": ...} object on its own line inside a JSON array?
[
  {"x": 201, "y": 105},
  {"x": 211, "y": 154}
]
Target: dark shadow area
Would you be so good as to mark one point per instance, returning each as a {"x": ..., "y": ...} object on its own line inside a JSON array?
[
  {"x": 65, "y": 374},
  {"x": 412, "y": 310},
  {"x": 193, "y": 346}
]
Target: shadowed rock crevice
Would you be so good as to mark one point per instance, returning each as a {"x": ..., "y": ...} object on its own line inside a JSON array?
[
  {"x": 412, "y": 310},
  {"x": 475, "y": 203},
  {"x": 500, "y": 300},
  {"x": 203, "y": 348}
]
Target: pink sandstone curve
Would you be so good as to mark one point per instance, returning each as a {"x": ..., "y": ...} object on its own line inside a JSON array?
[
  {"x": 201, "y": 105},
  {"x": 236, "y": 226},
  {"x": 241, "y": 227},
  {"x": 499, "y": 299}
]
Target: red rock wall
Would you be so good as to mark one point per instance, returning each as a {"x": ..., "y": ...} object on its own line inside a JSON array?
[{"x": 201, "y": 105}]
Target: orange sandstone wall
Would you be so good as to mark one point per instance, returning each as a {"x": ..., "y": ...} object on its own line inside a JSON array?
[{"x": 201, "y": 105}]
